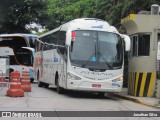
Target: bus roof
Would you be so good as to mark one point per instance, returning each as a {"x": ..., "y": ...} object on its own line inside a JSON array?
[
  {"x": 85, "y": 23},
  {"x": 90, "y": 24}
]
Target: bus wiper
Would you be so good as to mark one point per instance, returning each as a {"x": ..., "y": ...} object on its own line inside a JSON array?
[
  {"x": 111, "y": 67},
  {"x": 84, "y": 65}
]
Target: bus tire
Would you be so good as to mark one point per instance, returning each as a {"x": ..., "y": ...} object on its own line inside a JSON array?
[
  {"x": 40, "y": 84},
  {"x": 60, "y": 90},
  {"x": 46, "y": 85},
  {"x": 101, "y": 94}
]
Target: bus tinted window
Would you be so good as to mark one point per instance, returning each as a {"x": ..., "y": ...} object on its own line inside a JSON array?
[
  {"x": 102, "y": 49},
  {"x": 53, "y": 38},
  {"x": 23, "y": 56},
  {"x": 16, "y": 41},
  {"x": 62, "y": 38},
  {"x": 32, "y": 41},
  {"x": 49, "y": 40},
  {"x": 12, "y": 60}
]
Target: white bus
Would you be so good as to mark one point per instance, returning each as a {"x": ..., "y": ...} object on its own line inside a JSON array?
[
  {"x": 85, "y": 54},
  {"x": 19, "y": 49}
]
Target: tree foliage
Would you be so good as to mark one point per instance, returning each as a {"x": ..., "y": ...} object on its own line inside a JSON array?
[
  {"x": 18, "y": 13},
  {"x": 61, "y": 11},
  {"x": 15, "y": 14}
]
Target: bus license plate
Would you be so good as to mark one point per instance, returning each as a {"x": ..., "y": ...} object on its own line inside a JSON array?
[{"x": 96, "y": 85}]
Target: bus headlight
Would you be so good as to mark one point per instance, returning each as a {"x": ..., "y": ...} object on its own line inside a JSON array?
[
  {"x": 73, "y": 77},
  {"x": 118, "y": 79},
  {"x": 121, "y": 78}
]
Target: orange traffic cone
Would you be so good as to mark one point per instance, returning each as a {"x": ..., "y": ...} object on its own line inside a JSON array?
[
  {"x": 15, "y": 85},
  {"x": 25, "y": 82}
]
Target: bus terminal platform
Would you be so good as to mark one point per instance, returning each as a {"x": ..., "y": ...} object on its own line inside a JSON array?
[{"x": 149, "y": 101}]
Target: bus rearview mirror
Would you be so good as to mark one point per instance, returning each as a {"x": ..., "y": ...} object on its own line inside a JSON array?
[
  {"x": 127, "y": 41},
  {"x": 31, "y": 49},
  {"x": 68, "y": 39}
]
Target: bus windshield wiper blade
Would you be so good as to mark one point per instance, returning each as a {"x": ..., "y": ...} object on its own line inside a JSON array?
[
  {"x": 84, "y": 65},
  {"x": 111, "y": 67}
]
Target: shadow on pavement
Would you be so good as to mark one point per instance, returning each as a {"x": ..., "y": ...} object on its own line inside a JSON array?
[{"x": 84, "y": 95}]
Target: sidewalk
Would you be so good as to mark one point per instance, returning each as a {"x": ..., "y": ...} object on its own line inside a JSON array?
[{"x": 154, "y": 102}]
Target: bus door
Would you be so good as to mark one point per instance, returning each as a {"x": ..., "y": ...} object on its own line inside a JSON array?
[
  {"x": 63, "y": 68},
  {"x": 62, "y": 57}
]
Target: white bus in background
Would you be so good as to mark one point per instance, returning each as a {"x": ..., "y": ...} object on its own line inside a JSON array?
[
  {"x": 83, "y": 55},
  {"x": 19, "y": 48}
]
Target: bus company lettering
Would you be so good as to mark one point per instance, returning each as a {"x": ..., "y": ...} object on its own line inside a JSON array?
[
  {"x": 97, "y": 73},
  {"x": 1, "y": 39}
]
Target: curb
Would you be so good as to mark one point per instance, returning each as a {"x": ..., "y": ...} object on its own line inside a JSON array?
[{"x": 136, "y": 100}]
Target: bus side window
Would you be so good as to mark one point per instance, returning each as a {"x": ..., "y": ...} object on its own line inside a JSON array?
[
  {"x": 61, "y": 41},
  {"x": 53, "y": 40},
  {"x": 32, "y": 42},
  {"x": 62, "y": 38}
]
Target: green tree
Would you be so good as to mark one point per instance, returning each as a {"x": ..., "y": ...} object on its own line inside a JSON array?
[
  {"x": 18, "y": 13},
  {"x": 114, "y": 10},
  {"x": 62, "y": 11},
  {"x": 15, "y": 14}
]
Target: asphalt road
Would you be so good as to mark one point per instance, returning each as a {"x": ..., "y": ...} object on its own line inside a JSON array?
[{"x": 47, "y": 99}]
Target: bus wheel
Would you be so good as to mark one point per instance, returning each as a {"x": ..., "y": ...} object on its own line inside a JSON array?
[
  {"x": 40, "y": 84},
  {"x": 101, "y": 94},
  {"x": 46, "y": 85},
  {"x": 60, "y": 90}
]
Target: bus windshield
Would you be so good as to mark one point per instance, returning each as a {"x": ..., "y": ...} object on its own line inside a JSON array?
[
  {"x": 32, "y": 40},
  {"x": 21, "y": 56},
  {"x": 96, "y": 50}
]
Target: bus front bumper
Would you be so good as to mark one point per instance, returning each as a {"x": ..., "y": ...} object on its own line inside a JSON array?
[{"x": 95, "y": 86}]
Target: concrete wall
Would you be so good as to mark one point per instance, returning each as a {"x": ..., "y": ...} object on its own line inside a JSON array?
[{"x": 142, "y": 69}]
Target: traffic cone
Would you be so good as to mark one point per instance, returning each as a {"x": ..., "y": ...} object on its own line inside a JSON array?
[
  {"x": 15, "y": 85},
  {"x": 25, "y": 82}
]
